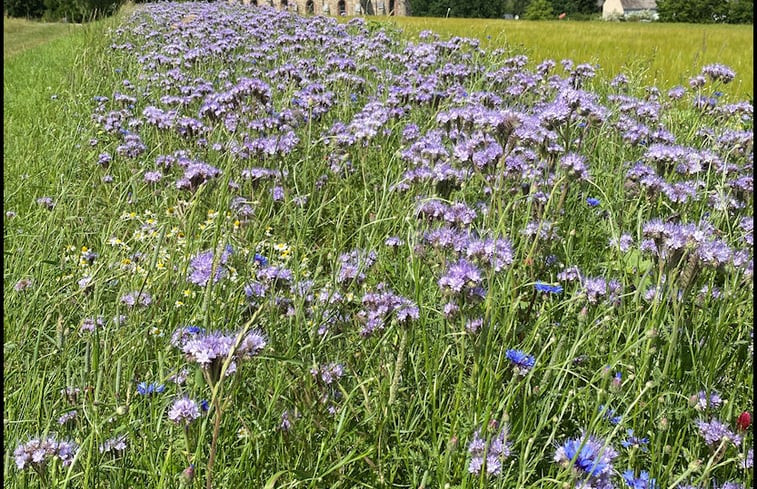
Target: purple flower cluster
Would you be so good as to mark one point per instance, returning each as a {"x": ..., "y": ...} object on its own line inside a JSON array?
[
  {"x": 328, "y": 374},
  {"x": 383, "y": 305},
  {"x": 354, "y": 264},
  {"x": 714, "y": 432},
  {"x": 211, "y": 349},
  {"x": 36, "y": 453},
  {"x": 201, "y": 267},
  {"x": 490, "y": 455},
  {"x": 116, "y": 445},
  {"x": 183, "y": 411}
]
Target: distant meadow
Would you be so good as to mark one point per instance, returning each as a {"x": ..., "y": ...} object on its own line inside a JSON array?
[{"x": 244, "y": 248}]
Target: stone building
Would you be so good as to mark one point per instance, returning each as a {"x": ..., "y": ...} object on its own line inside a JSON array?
[
  {"x": 338, "y": 7},
  {"x": 628, "y": 8}
]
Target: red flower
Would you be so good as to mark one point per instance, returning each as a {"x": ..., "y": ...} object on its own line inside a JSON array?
[{"x": 745, "y": 419}]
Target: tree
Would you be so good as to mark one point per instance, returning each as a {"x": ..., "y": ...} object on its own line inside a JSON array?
[
  {"x": 31, "y": 9},
  {"x": 458, "y": 8},
  {"x": 539, "y": 10},
  {"x": 740, "y": 12},
  {"x": 694, "y": 11}
]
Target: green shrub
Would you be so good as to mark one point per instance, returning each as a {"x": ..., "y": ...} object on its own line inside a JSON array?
[
  {"x": 80, "y": 10},
  {"x": 539, "y": 10},
  {"x": 32, "y": 9}
]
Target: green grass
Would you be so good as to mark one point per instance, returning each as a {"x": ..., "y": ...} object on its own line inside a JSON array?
[
  {"x": 411, "y": 397},
  {"x": 20, "y": 35},
  {"x": 659, "y": 54}
]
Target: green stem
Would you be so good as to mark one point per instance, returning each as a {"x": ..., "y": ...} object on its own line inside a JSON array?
[{"x": 398, "y": 368}]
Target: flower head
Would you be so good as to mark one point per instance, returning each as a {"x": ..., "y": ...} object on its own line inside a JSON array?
[
  {"x": 589, "y": 456},
  {"x": 489, "y": 455},
  {"x": 184, "y": 411},
  {"x": 520, "y": 361}
]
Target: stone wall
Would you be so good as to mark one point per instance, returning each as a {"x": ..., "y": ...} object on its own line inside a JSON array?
[{"x": 338, "y": 7}]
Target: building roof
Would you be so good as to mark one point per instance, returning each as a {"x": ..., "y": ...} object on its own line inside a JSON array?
[{"x": 639, "y": 4}]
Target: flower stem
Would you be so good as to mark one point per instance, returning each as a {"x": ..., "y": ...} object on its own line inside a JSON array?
[{"x": 398, "y": 368}]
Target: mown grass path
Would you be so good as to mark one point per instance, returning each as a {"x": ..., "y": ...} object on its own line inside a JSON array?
[{"x": 20, "y": 35}]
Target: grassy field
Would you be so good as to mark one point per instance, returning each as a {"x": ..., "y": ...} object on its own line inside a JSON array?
[
  {"x": 243, "y": 249},
  {"x": 659, "y": 54},
  {"x": 21, "y": 34}
]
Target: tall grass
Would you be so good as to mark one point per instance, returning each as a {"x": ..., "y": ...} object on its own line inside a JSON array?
[{"x": 658, "y": 54}]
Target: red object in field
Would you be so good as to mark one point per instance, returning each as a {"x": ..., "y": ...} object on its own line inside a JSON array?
[
  {"x": 745, "y": 419},
  {"x": 561, "y": 16}
]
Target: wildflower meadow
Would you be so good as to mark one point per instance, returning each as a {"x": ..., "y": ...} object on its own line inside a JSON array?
[{"x": 246, "y": 248}]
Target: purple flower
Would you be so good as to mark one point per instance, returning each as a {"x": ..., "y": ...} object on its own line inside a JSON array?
[
  {"x": 328, "y": 374},
  {"x": 135, "y": 298},
  {"x": 489, "y": 455},
  {"x": 380, "y": 306},
  {"x": 460, "y": 276},
  {"x": 353, "y": 264},
  {"x": 474, "y": 325},
  {"x": 46, "y": 202},
  {"x": 184, "y": 411},
  {"x": 67, "y": 417},
  {"x": 277, "y": 193},
  {"x": 201, "y": 267},
  {"x": 714, "y": 432},
  {"x": 117, "y": 444},
  {"x": 210, "y": 350},
  {"x": 393, "y": 242},
  {"x": 718, "y": 72},
  {"x": 575, "y": 166},
  {"x": 153, "y": 176},
  {"x": 703, "y": 400},
  {"x": 592, "y": 201},
  {"x": 22, "y": 284},
  {"x": 36, "y": 452},
  {"x": 183, "y": 334}
]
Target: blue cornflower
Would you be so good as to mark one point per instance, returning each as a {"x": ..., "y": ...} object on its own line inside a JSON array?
[
  {"x": 550, "y": 289},
  {"x": 642, "y": 482},
  {"x": 146, "y": 389},
  {"x": 634, "y": 441},
  {"x": 522, "y": 362},
  {"x": 261, "y": 260},
  {"x": 592, "y": 201},
  {"x": 590, "y": 456},
  {"x": 609, "y": 414}
]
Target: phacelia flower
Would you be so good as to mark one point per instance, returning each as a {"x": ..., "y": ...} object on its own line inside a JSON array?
[
  {"x": 116, "y": 445},
  {"x": 488, "y": 455},
  {"x": 201, "y": 267},
  {"x": 714, "y": 432},
  {"x": 36, "y": 452},
  {"x": 184, "y": 411}
]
